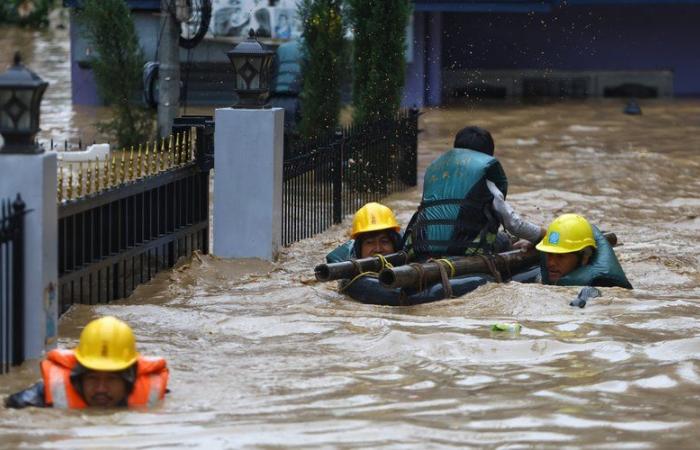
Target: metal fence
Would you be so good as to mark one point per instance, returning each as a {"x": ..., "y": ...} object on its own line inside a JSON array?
[
  {"x": 124, "y": 219},
  {"x": 331, "y": 177},
  {"x": 11, "y": 283}
]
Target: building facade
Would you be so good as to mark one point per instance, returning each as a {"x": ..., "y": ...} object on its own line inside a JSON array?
[{"x": 458, "y": 50}]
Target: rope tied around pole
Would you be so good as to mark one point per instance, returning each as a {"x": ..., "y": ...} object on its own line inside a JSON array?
[
  {"x": 345, "y": 286},
  {"x": 385, "y": 263},
  {"x": 504, "y": 264},
  {"x": 443, "y": 264},
  {"x": 490, "y": 263},
  {"x": 421, "y": 275}
]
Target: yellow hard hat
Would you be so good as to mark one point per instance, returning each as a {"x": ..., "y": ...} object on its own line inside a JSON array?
[
  {"x": 566, "y": 234},
  {"x": 107, "y": 344},
  {"x": 373, "y": 217}
]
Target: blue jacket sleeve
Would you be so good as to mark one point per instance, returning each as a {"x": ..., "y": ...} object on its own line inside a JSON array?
[{"x": 32, "y": 396}]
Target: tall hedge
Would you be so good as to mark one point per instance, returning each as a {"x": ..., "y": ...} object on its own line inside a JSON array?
[
  {"x": 379, "y": 29},
  {"x": 322, "y": 52},
  {"x": 117, "y": 66}
]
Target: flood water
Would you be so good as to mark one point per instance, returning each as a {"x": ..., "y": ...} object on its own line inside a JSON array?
[{"x": 263, "y": 356}]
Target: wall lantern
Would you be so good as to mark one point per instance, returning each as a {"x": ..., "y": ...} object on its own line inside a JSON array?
[
  {"x": 21, "y": 91},
  {"x": 251, "y": 64}
]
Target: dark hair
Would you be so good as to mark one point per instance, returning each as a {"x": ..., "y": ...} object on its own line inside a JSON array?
[{"x": 475, "y": 138}]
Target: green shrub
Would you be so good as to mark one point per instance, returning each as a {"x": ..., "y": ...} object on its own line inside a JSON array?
[
  {"x": 379, "y": 28},
  {"x": 322, "y": 54},
  {"x": 117, "y": 65}
]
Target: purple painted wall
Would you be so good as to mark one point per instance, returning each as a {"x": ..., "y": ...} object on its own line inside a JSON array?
[
  {"x": 83, "y": 85},
  {"x": 433, "y": 56},
  {"x": 414, "y": 88},
  {"x": 580, "y": 38}
]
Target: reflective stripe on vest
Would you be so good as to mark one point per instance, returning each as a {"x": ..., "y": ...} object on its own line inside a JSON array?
[
  {"x": 55, "y": 371},
  {"x": 57, "y": 387}
]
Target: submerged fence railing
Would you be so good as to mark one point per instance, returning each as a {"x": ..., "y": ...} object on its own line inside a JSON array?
[
  {"x": 124, "y": 219},
  {"x": 329, "y": 178},
  {"x": 11, "y": 283}
]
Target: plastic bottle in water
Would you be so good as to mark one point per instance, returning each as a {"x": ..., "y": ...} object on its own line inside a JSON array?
[{"x": 513, "y": 327}]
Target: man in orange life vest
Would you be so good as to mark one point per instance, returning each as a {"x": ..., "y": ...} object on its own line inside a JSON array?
[{"x": 105, "y": 371}]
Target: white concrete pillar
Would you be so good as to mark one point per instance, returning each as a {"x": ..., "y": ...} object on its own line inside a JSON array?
[
  {"x": 248, "y": 182},
  {"x": 34, "y": 178}
]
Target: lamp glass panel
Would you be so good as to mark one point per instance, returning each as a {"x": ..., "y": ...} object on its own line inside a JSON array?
[
  {"x": 238, "y": 63},
  {"x": 255, "y": 63},
  {"x": 25, "y": 97},
  {"x": 5, "y": 120}
]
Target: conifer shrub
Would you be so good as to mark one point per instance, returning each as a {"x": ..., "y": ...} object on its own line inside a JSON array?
[
  {"x": 379, "y": 30},
  {"x": 322, "y": 49},
  {"x": 117, "y": 64}
]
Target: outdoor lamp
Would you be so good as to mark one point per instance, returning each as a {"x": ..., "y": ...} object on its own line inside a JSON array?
[
  {"x": 251, "y": 64},
  {"x": 20, "y": 100}
]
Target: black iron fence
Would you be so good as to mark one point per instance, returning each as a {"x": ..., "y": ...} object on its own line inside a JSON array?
[
  {"x": 331, "y": 177},
  {"x": 124, "y": 220},
  {"x": 11, "y": 283}
]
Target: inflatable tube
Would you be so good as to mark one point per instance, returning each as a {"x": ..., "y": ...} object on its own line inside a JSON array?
[{"x": 368, "y": 290}]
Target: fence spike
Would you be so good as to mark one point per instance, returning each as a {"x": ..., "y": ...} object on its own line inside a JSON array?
[
  {"x": 105, "y": 183},
  {"x": 60, "y": 184},
  {"x": 97, "y": 174},
  {"x": 147, "y": 160},
  {"x": 183, "y": 148},
  {"x": 161, "y": 156},
  {"x": 138, "y": 162},
  {"x": 88, "y": 176},
  {"x": 122, "y": 167},
  {"x": 171, "y": 152},
  {"x": 69, "y": 190},
  {"x": 113, "y": 169},
  {"x": 176, "y": 153},
  {"x": 131, "y": 163},
  {"x": 154, "y": 158},
  {"x": 190, "y": 147},
  {"x": 79, "y": 188}
]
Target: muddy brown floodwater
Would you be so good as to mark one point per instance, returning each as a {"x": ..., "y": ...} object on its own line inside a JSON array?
[{"x": 262, "y": 356}]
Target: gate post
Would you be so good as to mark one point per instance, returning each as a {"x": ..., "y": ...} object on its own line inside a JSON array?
[
  {"x": 248, "y": 182},
  {"x": 34, "y": 176}
]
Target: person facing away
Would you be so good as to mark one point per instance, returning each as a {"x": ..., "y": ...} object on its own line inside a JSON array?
[
  {"x": 374, "y": 231},
  {"x": 577, "y": 254},
  {"x": 104, "y": 371},
  {"x": 464, "y": 205}
]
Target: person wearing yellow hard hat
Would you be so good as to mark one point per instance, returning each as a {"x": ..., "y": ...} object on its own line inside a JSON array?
[
  {"x": 104, "y": 371},
  {"x": 577, "y": 254},
  {"x": 374, "y": 231}
]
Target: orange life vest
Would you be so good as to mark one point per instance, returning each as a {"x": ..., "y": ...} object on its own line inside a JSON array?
[{"x": 149, "y": 386}]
